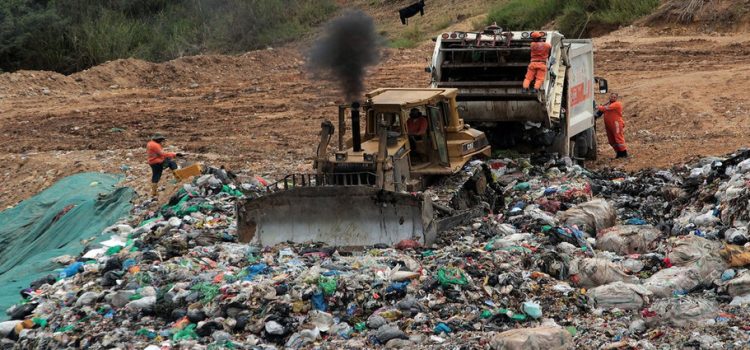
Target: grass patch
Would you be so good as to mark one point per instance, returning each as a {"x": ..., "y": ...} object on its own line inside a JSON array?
[
  {"x": 625, "y": 12},
  {"x": 524, "y": 14},
  {"x": 573, "y": 18},
  {"x": 409, "y": 38},
  {"x": 402, "y": 43},
  {"x": 442, "y": 22}
]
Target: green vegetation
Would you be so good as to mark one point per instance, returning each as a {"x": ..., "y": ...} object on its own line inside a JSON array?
[
  {"x": 442, "y": 22},
  {"x": 573, "y": 18},
  {"x": 524, "y": 14},
  {"x": 409, "y": 38},
  {"x": 70, "y": 35}
]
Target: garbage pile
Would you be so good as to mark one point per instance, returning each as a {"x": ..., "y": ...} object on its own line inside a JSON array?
[{"x": 592, "y": 260}]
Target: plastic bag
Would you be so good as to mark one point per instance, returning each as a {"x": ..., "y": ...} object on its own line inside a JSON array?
[
  {"x": 619, "y": 295},
  {"x": 739, "y": 285},
  {"x": 627, "y": 239},
  {"x": 674, "y": 280},
  {"x": 539, "y": 338},
  {"x": 593, "y": 272},
  {"x": 591, "y": 216},
  {"x": 451, "y": 276},
  {"x": 685, "y": 311},
  {"x": 327, "y": 285},
  {"x": 701, "y": 254},
  {"x": 186, "y": 333}
]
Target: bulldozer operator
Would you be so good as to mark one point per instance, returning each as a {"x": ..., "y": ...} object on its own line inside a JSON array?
[
  {"x": 416, "y": 126},
  {"x": 158, "y": 160}
]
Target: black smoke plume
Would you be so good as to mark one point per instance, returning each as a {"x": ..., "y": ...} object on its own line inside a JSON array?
[{"x": 348, "y": 45}]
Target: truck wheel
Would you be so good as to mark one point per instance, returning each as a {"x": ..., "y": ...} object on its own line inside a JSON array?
[{"x": 593, "y": 147}]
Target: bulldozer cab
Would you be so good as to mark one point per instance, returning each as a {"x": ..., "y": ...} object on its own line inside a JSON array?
[
  {"x": 424, "y": 125},
  {"x": 418, "y": 128}
]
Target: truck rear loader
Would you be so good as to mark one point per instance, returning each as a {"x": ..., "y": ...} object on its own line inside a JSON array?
[{"x": 488, "y": 69}]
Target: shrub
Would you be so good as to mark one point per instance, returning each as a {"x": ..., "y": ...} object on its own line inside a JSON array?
[
  {"x": 69, "y": 35},
  {"x": 572, "y": 17},
  {"x": 524, "y": 14}
]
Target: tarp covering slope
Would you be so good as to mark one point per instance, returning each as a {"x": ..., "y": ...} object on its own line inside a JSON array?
[{"x": 54, "y": 223}]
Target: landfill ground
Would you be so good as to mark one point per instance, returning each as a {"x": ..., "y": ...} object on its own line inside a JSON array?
[{"x": 570, "y": 259}]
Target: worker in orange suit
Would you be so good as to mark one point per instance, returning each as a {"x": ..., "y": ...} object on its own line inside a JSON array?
[
  {"x": 614, "y": 125},
  {"x": 538, "y": 67},
  {"x": 158, "y": 160},
  {"x": 416, "y": 126}
]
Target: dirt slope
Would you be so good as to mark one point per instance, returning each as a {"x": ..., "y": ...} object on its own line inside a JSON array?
[
  {"x": 260, "y": 111},
  {"x": 681, "y": 94}
]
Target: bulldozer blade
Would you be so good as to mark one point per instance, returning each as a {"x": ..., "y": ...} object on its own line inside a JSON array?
[{"x": 343, "y": 216}]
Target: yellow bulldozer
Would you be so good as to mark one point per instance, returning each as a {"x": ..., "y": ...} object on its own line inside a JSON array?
[{"x": 383, "y": 185}]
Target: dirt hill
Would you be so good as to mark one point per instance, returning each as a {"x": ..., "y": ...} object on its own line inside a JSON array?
[{"x": 261, "y": 111}]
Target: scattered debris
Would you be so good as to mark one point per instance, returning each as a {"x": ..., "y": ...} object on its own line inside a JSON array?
[{"x": 514, "y": 279}]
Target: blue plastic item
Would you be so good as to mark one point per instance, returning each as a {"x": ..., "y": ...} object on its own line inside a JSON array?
[
  {"x": 351, "y": 310},
  {"x": 128, "y": 264},
  {"x": 635, "y": 221},
  {"x": 728, "y": 275},
  {"x": 397, "y": 287},
  {"x": 442, "y": 328},
  {"x": 72, "y": 270},
  {"x": 319, "y": 302},
  {"x": 255, "y": 270}
]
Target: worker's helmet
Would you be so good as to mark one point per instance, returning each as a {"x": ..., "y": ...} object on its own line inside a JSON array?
[
  {"x": 536, "y": 35},
  {"x": 158, "y": 137},
  {"x": 414, "y": 113}
]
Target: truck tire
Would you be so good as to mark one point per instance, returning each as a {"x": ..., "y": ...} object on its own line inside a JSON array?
[
  {"x": 593, "y": 146},
  {"x": 562, "y": 144},
  {"x": 583, "y": 146}
]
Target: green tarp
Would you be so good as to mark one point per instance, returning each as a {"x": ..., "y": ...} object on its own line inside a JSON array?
[{"x": 54, "y": 223}]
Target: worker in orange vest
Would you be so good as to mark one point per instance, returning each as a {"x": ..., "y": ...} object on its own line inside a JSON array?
[
  {"x": 614, "y": 125},
  {"x": 416, "y": 127},
  {"x": 537, "y": 69},
  {"x": 158, "y": 160}
]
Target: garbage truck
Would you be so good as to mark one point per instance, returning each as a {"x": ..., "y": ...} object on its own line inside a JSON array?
[
  {"x": 383, "y": 185},
  {"x": 488, "y": 69}
]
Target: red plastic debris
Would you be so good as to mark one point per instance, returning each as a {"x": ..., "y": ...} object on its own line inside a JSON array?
[{"x": 407, "y": 244}]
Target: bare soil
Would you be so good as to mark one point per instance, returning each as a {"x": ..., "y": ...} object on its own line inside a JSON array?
[{"x": 261, "y": 111}]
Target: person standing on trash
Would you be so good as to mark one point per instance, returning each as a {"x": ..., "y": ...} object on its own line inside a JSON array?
[
  {"x": 158, "y": 160},
  {"x": 537, "y": 69},
  {"x": 614, "y": 125}
]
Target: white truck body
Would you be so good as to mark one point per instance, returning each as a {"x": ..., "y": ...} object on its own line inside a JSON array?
[{"x": 488, "y": 68}]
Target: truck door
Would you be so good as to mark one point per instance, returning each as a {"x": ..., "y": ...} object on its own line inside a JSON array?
[{"x": 438, "y": 134}]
